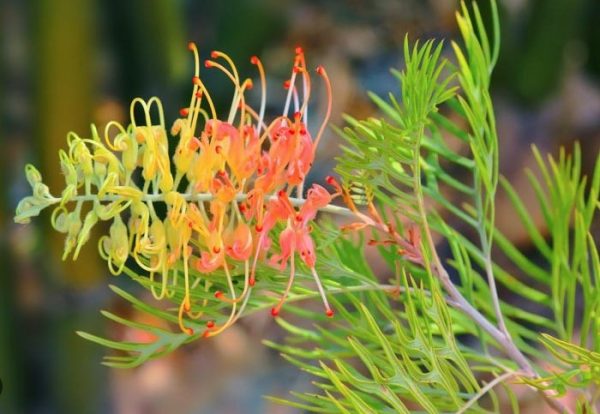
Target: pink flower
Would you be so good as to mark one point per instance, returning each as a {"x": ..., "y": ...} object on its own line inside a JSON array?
[{"x": 296, "y": 238}]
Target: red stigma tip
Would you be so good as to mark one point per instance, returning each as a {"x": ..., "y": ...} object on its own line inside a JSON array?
[
  {"x": 206, "y": 334},
  {"x": 198, "y": 95},
  {"x": 298, "y": 217},
  {"x": 207, "y": 63},
  {"x": 286, "y": 84},
  {"x": 218, "y": 294},
  {"x": 210, "y": 324},
  {"x": 250, "y": 85},
  {"x": 275, "y": 312},
  {"x": 303, "y": 131},
  {"x": 191, "y": 46},
  {"x": 254, "y": 60},
  {"x": 297, "y": 69},
  {"x": 297, "y": 115},
  {"x": 218, "y": 149},
  {"x": 252, "y": 281},
  {"x": 214, "y": 54},
  {"x": 258, "y": 228},
  {"x": 320, "y": 70},
  {"x": 299, "y": 50},
  {"x": 216, "y": 250},
  {"x": 184, "y": 111},
  {"x": 280, "y": 193},
  {"x": 189, "y": 331},
  {"x": 196, "y": 80},
  {"x": 330, "y": 180},
  {"x": 329, "y": 313}
]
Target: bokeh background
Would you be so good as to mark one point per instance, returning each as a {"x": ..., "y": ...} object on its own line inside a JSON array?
[{"x": 66, "y": 63}]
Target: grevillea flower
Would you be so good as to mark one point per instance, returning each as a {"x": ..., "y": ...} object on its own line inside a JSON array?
[
  {"x": 296, "y": 238},
  {"x": 226, "y": 189}
]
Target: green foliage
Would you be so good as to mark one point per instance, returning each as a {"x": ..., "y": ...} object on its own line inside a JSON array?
[
  {"x": 160, "y": 340},
  {"x": 381, "y": 359},
  {"x": 407, "y": 164},
  {"x": 390, "y": 168},
  {"x": 581, "y": 367},
  {"x": 569, "y": 277}
]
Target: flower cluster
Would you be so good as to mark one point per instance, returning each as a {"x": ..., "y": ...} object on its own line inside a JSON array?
[{"x": 226, "y": 188}]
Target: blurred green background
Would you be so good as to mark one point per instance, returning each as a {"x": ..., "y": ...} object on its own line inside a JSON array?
[{"x": 65, "y": 64}]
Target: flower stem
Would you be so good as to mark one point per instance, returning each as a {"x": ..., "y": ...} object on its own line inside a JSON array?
[{"x": 204, "y": 197}]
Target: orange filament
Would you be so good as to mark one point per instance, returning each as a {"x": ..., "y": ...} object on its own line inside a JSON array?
[
  {"x": 183, "y": 328},
  {"x": 241, "y": 102},
  {"x": 213, "y": 64},
  {"x": 300, "y": 67},
  {"x": 305, "y": 95},
  {"x": 275, "y": 310},
  {"x": 328, "y": 310},
  {"x": 185, "y": 304},
  {"x": 296, "y": 101},
  {"x": 217, "y": 54},
  {"x": 263, "y": 90},
  {"x": 200, "y": 313},
  {"x": 197, "y": 81},
  {"x": 232, "y": 315},
  {"x": 239, "y": 90},
  {"x": 259, "y": 245},
  {"x": 195, "y": 98},
  {"x": 288, "y": 99},
  {"x": 323, "y": 73},
  {"x": 244, "y": 293}
]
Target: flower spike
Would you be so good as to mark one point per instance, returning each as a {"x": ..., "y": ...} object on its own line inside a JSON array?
[{"x": 239, "y": 173}]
